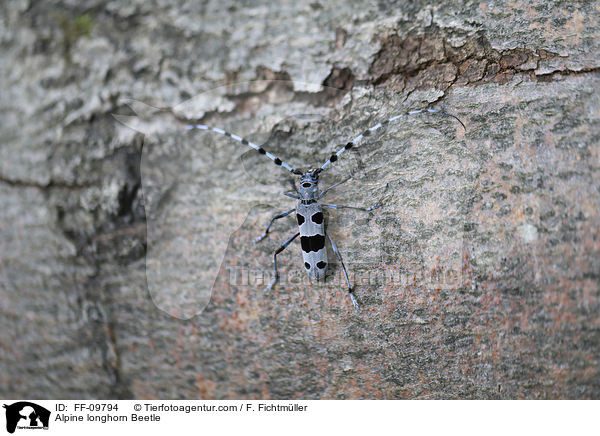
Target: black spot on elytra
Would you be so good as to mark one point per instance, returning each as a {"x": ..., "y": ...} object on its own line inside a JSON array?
[
  {"x": 366, "y": 132},
  {"x": 333, "y": 158},
  {"x": 277, "y": 161},
  {"x": 321, "y": 264},
  {"x": 300, "y": 219},
  {"x": 317, "y": 218},
  {"x": 349, "y": 145},
  {"x": 244, "y": 141},
  {"x": 312, "y": 243},
  {"x": 261, "y": 150},
  {"x": 306, "y": 185},
  {"x": 306, "y": 265}
]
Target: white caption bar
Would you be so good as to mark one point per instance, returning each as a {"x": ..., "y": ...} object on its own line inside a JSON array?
[{"x": 297, "y": 417}]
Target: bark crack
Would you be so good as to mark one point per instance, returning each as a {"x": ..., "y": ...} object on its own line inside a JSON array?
[
  {"x": 428, "y": 60},
  {"x": 42, "y": 186}
]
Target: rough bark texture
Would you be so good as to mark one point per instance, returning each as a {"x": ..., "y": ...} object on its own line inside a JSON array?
[{"x": 107, "y": 253}]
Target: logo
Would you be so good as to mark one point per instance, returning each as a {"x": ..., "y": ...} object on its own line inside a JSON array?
[{"x": 26, "y": 415}]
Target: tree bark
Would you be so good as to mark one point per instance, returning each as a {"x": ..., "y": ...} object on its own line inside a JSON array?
[{"x": 127, "y": 267}]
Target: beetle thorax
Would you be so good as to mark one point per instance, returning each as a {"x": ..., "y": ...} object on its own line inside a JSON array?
[{"x": 309, "y": 186}]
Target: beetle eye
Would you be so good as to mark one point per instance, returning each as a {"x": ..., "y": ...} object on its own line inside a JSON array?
[{"x": 306, "y": 185}]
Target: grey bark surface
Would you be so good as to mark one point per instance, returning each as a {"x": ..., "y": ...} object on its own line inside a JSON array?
[{"x": 127, "y": 268}]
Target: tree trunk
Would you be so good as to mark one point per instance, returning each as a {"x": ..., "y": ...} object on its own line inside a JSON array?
[{"x": 127, "y": 266}]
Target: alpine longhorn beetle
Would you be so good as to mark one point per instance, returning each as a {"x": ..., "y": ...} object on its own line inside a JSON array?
[{"x": 309, "y": 212}]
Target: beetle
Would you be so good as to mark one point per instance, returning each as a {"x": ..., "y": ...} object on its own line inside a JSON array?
[{"x": 309, "y": 211}]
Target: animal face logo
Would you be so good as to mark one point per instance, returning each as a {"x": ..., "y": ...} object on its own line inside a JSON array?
[{"x": 27, "y": 415}]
